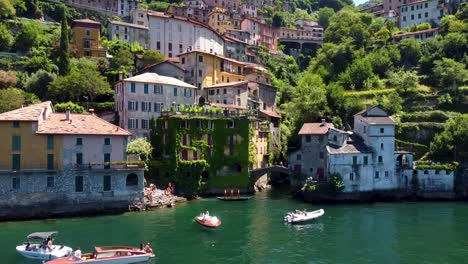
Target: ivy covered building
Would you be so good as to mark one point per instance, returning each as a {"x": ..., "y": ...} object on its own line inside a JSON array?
[{"x": 203, "y": 152}]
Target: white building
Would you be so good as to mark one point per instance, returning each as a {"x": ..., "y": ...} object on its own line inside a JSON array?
[
  {"x": 419, "y": 12},
  {"x": 173, "y": 35},
  {"x": 129, "y": 33},
  {"x": 140, "y": 98}
]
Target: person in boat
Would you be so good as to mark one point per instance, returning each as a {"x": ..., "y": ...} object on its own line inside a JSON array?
[
  {"x": 77, "y": 253},
  {"x": 225, "y": 193},
  {"x": 238, "y": 193},
  {"x": 232, "y": 193},
  {"x": 148, "y": 248},
  {"x": 49, "y": 243},
  {"x": 28, "y": 246},
  {"x": 141, "y": 246},
  {"x": 206, "y": 215}
]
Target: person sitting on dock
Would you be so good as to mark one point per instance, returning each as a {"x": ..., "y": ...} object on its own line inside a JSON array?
[{"x": 148, "y": 249}]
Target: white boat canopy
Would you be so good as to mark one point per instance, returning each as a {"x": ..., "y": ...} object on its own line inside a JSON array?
[{"x": 42, "y": 235}]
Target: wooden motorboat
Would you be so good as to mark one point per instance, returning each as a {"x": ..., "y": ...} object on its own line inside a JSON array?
[
  {"x": 235, "y": 198},
  {"x": 108, "y": 255},
  {"x": 302, "y": 216},
  {"x": 208, "y": 221},
  {"x": 36, "y": 247}
]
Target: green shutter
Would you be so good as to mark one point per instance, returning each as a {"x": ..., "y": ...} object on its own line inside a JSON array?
[
  {"x": 50, "y": 161},
  {"x": 50, "y": 142},
  {"x": 16, "y": 143},
  {"x": 16, "y": 162}
]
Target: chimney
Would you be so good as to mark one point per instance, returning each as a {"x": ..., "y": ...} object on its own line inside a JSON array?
[
  {"x": 120, "y": 75},
  {"x": 44, "y": 114},
  {"x": 68, "y": 114},
  {"x": 323, "y": 122},
  {"x": 91, "y": 111}
]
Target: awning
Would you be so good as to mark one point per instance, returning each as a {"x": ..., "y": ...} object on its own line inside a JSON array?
[
  {"x": 271, "y": 113},
  {"x": 42, "y": 235}
]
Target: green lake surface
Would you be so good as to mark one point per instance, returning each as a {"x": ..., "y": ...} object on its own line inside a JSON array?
[{"x": 253, "y": 232}]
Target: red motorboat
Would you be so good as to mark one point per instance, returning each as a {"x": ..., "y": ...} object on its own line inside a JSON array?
[
  {"x": 108, "y": 255},
  {"x": 208, "y": 221}
]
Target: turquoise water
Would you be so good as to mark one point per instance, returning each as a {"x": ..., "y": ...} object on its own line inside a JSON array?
[{"x": 253, "y": 232}]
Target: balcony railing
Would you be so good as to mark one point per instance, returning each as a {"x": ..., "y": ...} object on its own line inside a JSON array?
[{"x": 116, "y": 165}]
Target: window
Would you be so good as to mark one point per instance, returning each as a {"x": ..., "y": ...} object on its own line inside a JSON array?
[
  {"x": 231, "y": 124},
  {"x": 170, "y": 55},
  {"x": 50, "y": 161},
  {"x": 381, "y": 145},
  {"x": 158, "y": 45},
  {"x": 376, "y": 174},
  {"x": 107, "y": 183},
  {"x": 16, "y": 183},
  {"x": 87, "y": 53},
  {"x": 224, "y": 91},
  {"x": 16, "y": 124},
  {"x": 158, "y": 89},
  {"x": 16, "y": 143},
  {"x": 382, "y": 130},
  {"x": 87, "y": 43},
  {"x": 79, "y": 141},
  {"x": 132, "y": 88},
  {"x": 183, "y": 61},
  {"x": 181, "y": 48},
  {"x": 365, "y": 160},
  {"x": 50, "y": 181},
  {"x": 175, "y": 91},
  {"x": 158, "y": 107},
  {"x": 184, "y": 124},
  {"x": 412, "y": 17},
  {"x": 145, "y": 124},
  {"x": 351, "y": 176},
  {"x": 184, "y": 154},
  {"x": 425, "y": 5},
  {"x": 195, "y": 155},
  {"x": 200, "y": 58},
  {"x": 386, "y": 174},
  {"x": 198, "y": 124},
  {"x": 169, "y": 46},
  {"x": 404, "y": 18},
  {"x": 426, "y": 14},
  {"x": 419, "y": 16},
  {"x": 16, "y": 162},
  {"x": 354, "y": 160},
  {"x": 50, "y": 142},
  {"x": 78, "y": 183},
  {"x": 145, "y": 88},
  {"x": 107, "y": 141},
  {"x": 106, "y": 160},
  {"x": 298, "y": 157},
  {"x": 88, "y": 33},
  {"x": 321, "y": 155},
  {"x": 380, "y": 159},
  {"x": 311, "y": 170},
  {"x": 132, "y": 123},
  {"x": 307, "y": 138},
  {"x": 79, "y": 158},
  {"x": 200, "y": 73}
]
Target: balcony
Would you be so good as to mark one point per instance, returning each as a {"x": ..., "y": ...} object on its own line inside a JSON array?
[{"x": 115, "y": 165}]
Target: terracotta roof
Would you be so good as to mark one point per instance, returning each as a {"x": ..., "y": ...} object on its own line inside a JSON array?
[
  {"x": 230, "y": 84},
  {"x": 416, "y": 32},
  {"x": 212, "y": 54},
  {"x": 151, "y": 77},
  {"x": 86, "y": 20},
  {"x": 163, "y": 15},
  {"x": 28, "y": 113},
  {"x": 173, "y": 59},
  {"x": 271, "y": 113},
  {"x": 231, "y": 106},
  {"x": 79, "y": 124},
  {"x": 315, "y": 128}
]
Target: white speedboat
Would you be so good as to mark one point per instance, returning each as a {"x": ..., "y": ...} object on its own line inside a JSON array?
[
  {"x": 36, "y": 247},
  {"x": 303, "y": 216}
]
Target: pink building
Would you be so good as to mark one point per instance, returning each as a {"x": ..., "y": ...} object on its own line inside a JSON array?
[
  {"x": 228, "y": 4},
  {"x": 260, "y": 33}
]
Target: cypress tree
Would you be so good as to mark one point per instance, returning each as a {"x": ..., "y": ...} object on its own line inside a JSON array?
[{"x": 64, "y": 57}]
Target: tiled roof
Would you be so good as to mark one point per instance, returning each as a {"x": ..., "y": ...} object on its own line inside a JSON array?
[
  {"x": 163, "y": 15},
  {"x": 212, "y": 54},
  {"x": 315, "y": 128},
  {"x": 270, "y": 113},
  {"x": 86, "y": 20},
  {"x": 28, "y": 113},
  {"x": 375, "y": 120},
  {"x": 348, "y": 148},
  {"x": 230, "y": 84},
  {"x": 151, "y": 77},
  {"x": 79, "y": 124},
  {"x": 160, "y": 63}
]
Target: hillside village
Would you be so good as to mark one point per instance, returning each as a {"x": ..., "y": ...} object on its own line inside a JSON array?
[{"x": 334, "y": 98}]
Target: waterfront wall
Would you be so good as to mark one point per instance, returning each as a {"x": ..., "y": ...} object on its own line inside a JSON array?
[{"x": 43, "y": 194}]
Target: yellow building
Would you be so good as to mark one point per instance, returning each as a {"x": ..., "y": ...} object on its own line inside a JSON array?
[
  {"x": 86, "y": 38},
  {"x": 23, "y": 149},
  {"x": 207, "y": 69},
  {"x": 219, "y": 20}
]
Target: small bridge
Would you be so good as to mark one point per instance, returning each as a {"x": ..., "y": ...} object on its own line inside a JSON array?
[
  {"x": 278, "y": 174},
  {"x": 256, "y": 173}
]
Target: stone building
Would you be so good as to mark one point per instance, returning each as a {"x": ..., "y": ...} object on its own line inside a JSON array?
[
  {"x": 418, "y": 12},
  {"x": 172, "y": 35},
  {"x": 261, "y": 34},
  {"x": 86, "y": 38},
  {"x": 140, "y": 98},
  {"x": 235, "y": 48},
  {"x": 199, "y": 14},
  {"x": 106, "y": 7},
  {"x": 129, "y": 33},
  {"x": 165, "y": 68},
  {"x": 59, "y": 163}
]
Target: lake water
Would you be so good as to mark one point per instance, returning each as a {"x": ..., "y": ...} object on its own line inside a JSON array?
[{"x": 253, "y": 232}]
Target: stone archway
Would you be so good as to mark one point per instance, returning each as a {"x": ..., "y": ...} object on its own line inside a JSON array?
[{"x": 131, "y": 181}]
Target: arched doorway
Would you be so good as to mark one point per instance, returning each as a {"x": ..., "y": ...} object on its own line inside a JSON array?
[{"x": 132, "y": 181}]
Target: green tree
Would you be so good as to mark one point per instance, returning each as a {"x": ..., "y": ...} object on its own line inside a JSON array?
[
  {"x": 333, "y": 59},
  {"x": 7, "y": 9},
  {"x": 37, "y": 83},
  {"x": 152, "y": 57},
  {"x": 28, "y": 37},
  {"x": 351, "y": 24},
  {"x": 37, "y": 62},
  {"x": 6, "y": 39},
  {"x": 357, "y": 74},
  {"x": 74, "y": 108},
  {"x": 140, "y": 147},
  {"x": 455, "y": 45},
  {"x": 410, "y": 50},
  {"x": 123, "y": 60},
  {"x": 404, "y": 80},
  {"x": 450, "y": 73},
  {"x": 391, "y": 103},
  {"x": 384, "y": 59},
  {"x": 64, "y": 52},
  {"x": 324, "y": 15},
  {"x": 278, "y": 20},
  {"x": 11, "y": 99},
  {"x": 452, "y": 143},
  {"x": 7, "y": 79}
]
